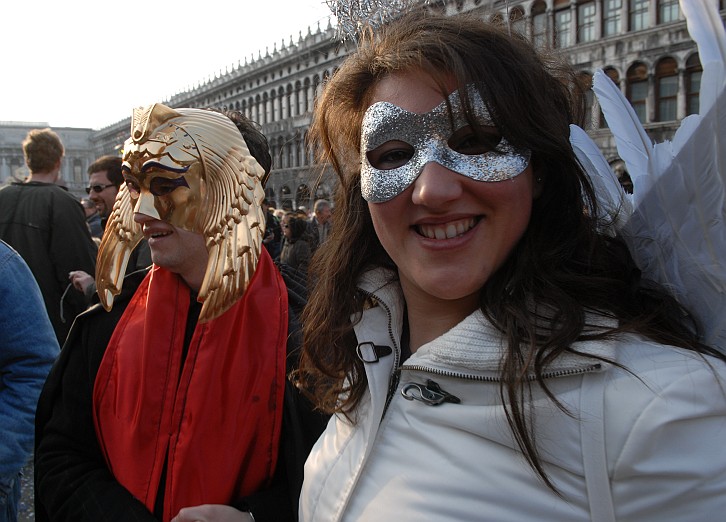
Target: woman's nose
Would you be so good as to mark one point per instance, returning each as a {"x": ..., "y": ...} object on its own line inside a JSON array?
[{"x": 436, "y": 185}]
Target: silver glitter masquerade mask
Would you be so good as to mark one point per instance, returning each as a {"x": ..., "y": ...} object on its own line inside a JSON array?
[{"x": 429, "y": 135}]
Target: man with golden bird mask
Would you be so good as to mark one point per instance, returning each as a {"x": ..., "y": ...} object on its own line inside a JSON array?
[{"x": 179, "y": 398}]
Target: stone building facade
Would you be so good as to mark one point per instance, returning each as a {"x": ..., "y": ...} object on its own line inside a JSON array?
[{"x": 643, "y": 45}]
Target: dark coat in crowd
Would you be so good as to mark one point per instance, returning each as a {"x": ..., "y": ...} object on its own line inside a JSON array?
[{"x": 47, "y": 226}]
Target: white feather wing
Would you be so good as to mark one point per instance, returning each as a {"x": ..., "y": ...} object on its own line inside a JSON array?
[
  {"x": 677, "y": 231},
  {"x": 614, "y": 203}
]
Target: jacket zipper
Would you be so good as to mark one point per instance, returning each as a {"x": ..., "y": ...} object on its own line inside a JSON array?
[
  {"x": 432, "y": 394},
  {"x": 458, "y": 375},
  {"x": 395, "y": 376}
]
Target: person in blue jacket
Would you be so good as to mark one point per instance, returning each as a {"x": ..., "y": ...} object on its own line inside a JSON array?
[{"x": 28, "y": 347}]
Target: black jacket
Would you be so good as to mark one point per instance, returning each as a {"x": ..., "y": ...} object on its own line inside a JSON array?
[{"x": 47, "y": 226}]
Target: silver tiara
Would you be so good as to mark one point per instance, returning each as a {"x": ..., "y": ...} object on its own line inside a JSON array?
[{"x": 354, "y": 16}]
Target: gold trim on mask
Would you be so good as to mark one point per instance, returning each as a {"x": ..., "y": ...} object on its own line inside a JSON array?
[{"x": 231, "y": 217}]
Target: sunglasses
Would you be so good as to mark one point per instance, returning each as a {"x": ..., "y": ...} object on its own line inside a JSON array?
[{"x": 98, "y": 188}]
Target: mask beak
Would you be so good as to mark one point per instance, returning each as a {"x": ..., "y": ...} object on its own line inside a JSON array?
[{"x": 145, "y": 205}]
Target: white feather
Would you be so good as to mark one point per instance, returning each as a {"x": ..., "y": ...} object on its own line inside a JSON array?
[
  {"x": 615, "y": 206},
  {"x": 634, "y": 145},
  {"x": 677, "y": 231}
]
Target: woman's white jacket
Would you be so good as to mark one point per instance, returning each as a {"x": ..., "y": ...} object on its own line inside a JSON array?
[{"x": 431, "y": 440}]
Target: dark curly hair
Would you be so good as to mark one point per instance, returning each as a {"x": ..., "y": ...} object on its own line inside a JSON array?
[{"x": 112, "y": 165}]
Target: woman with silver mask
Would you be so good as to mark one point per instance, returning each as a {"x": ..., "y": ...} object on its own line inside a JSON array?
[{"x": 484, "y": 340}]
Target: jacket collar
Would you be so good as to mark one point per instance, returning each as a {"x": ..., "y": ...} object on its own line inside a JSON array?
[{"x": 474, "y": 345}]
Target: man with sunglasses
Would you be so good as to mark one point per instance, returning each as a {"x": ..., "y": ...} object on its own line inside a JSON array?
[
  {"x": 104, "y": 180},
  {"x": 47, "y": 226}
]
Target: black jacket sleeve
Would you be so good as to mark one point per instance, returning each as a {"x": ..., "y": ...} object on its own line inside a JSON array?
[{"x": 72, "y": 480}]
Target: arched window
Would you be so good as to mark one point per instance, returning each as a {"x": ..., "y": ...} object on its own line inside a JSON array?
[
  {"x": 611, "y": 21},
  {"x": 248, "y": 109},
  {"x": 693, "y": 83},
  {"x": 666, "y": 92},
  {"x": 279, "y": 150},
  {"x": 270, "y": 195},
  {"x": 668, "y": 11},
  {"x": 621, "y": 173},
  {"x": 611, "y": 73},
  {"x": 516, "y": 21},
  {"x": 563, "y": 24},
  {"x": 497, "y": 19},
  {"x": 289, "y": 153},
  {"x": 308, "y": 96},
  {"x": 299, "y": 101},
  {"x": 273, "y": 106},
  {"x": 266, "y": 112},
  {"x": 274, "y": 114},
  {"x": 303, "y": 196},
  {"x": 285, "y": 196},
  {"x": 308, "y": 150},
  {"x": 77, "y": 170},
  {"x": 273, "y": 152},
  {"x": 316, "y": 88},
  {"x": 586, "y": 22},
  {"x": 638, "y": 15},
  {"x": 323, "y": 191},
  {"x": 539, "y": 25},
  {"x": 297, "y": 159},
  {"x": 288, "y": 101},
  {"x": 256, "y": 113},
  {"x": 281, "y": 102},
  {"x": 584, "y": 87},
  {"x": 637, "y": 91}
]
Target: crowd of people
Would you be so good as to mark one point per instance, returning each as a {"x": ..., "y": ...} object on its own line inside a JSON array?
[
  {"x": 293, "y": 236},
  {"x": 460, "y": 334}
]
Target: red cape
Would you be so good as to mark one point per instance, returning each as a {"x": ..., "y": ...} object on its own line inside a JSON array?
[{"x": 215, "y": 422}]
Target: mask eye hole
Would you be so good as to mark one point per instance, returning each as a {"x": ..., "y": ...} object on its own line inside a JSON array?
[
  {"x": 160, "y": 186},
  {"x": 471, "y": 142},
  {"x": 133, "y": 186},
  {"x": 390, "y": 155}
]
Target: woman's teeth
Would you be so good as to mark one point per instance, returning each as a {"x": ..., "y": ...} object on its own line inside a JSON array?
[{"x": 447, "y": 230}]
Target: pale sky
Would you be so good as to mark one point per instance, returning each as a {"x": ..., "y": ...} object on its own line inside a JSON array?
[{"x": 88, "y": 63}]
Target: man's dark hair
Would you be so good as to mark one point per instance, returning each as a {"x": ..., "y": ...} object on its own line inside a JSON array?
[{"x": 112, "y": 165}]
